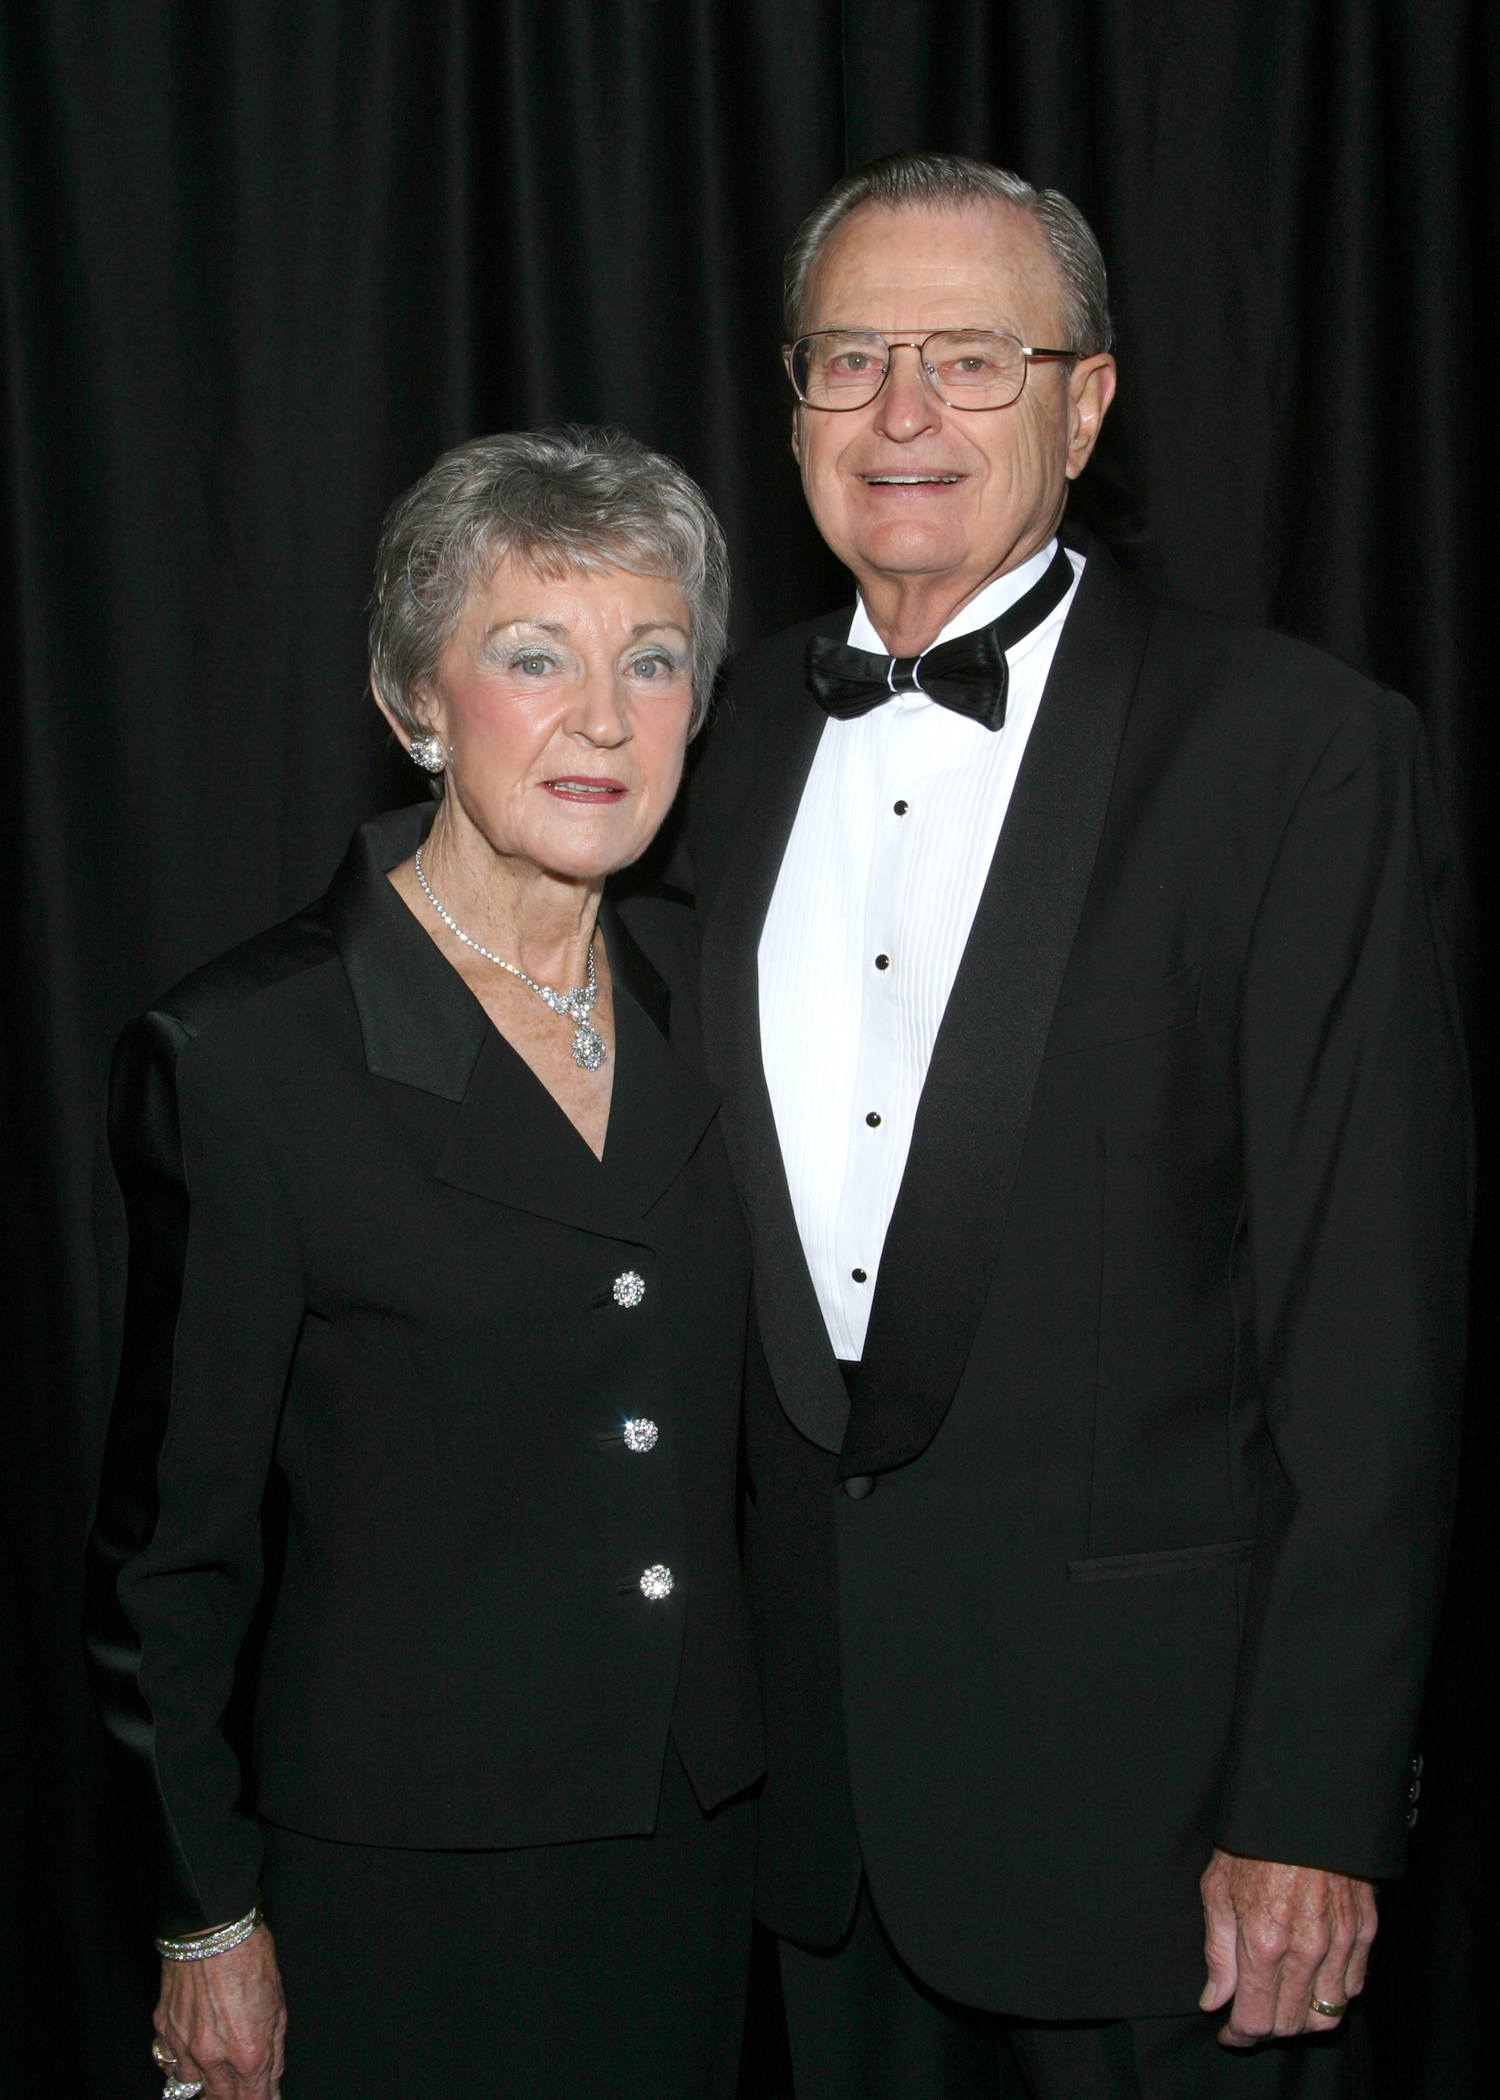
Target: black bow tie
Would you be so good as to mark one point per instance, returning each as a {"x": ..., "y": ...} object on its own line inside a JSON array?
[{"x": 968, "y": 674}]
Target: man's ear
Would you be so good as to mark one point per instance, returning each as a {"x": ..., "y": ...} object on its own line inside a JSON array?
[
  {"x": 797, "y": 433},
  {"x": 1091, "y": 388}
]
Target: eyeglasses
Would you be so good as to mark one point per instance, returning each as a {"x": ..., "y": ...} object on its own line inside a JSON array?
[{"x": 967, "y": 368}]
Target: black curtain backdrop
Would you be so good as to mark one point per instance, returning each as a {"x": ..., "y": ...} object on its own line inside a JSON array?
[{"x": 263, "y": 259}]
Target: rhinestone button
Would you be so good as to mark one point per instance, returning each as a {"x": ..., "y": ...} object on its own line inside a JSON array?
[
  {"x": 630, "y": 1289},
  {"x": 640, "y": 1434},
  {"x": 656, "y": 1583}
]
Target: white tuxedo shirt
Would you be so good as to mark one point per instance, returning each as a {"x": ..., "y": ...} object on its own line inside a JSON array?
[{"x": 871, "y": 913}]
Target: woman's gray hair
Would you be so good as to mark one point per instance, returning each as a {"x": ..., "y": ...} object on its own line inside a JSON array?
[
  {"x": 567, "y": 498},
  {"x": 952, "y": 180}
]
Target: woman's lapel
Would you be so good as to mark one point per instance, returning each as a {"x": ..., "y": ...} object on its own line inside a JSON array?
[{"x": 510, "y": 1142}]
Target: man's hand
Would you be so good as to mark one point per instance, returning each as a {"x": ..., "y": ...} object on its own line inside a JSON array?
[
  {"x": 224, "y": 2020},
  {"x": 1275, "y": 1938}
]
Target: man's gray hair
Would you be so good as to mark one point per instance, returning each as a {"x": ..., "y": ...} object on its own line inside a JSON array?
[
  {"x": 952, "y": 181},
  {"x": 567, "y": 498}
]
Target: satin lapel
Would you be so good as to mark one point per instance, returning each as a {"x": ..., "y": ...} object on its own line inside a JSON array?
[
  {"x": 512, "y": 1143},
  {"x": 945, "y": 1234},
  {"x": 663, "y": 1102},
  {"x": 421, "y": 1024},
  {"x": 796, "y": 1341}
]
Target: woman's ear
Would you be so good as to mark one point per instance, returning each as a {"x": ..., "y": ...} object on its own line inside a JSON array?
[
  {"x": 398, "y": 729},
  {"x": 425, "y": 709}
]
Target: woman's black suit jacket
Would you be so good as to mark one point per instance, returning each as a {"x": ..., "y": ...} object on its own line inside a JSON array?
[{"x": 373, "y": 1264}]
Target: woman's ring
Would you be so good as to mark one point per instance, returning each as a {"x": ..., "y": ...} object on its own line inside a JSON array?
[
  {"x": 175, "y": 2088},
  {"x": 1329, "y": 2012}
]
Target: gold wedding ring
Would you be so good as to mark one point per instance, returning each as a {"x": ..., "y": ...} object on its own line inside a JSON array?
[
  {"x": 1329, "y": 2012},
  {"x": 161, "y": 2055}
]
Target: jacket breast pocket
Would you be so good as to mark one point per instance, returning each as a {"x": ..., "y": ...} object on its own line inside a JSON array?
[
  {"x": 1177, "y": 1560},
  {"x": 1127, "y": 1015}
]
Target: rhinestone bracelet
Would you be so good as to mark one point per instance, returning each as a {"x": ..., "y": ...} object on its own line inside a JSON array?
[{"x": 198, "y": 1946}]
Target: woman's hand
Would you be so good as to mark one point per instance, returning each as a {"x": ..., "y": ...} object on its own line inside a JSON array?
[{"x": 224, "y": 2019}]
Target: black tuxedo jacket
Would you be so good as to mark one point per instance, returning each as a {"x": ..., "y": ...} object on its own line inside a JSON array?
[
  {"x": 1161, "y": 1387},
  {"x": 372, "y": 1269}
]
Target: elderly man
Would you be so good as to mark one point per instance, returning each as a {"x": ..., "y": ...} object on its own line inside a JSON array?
[{"x": 1075, "y": 972}]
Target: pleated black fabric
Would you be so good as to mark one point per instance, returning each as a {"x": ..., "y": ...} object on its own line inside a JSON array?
[{"x": 260, "y": 262}]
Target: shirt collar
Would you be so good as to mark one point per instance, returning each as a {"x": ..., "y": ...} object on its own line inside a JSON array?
[{"x": 986, "y": 605}]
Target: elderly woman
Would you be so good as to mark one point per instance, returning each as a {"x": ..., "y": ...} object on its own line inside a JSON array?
[{"x": 423, "y": 1451}]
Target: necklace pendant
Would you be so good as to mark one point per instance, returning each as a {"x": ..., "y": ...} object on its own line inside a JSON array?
[{"x": 588, "y": 1046}]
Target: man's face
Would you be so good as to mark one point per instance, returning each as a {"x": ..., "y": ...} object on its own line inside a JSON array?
[{"x": 907, "y": 488}]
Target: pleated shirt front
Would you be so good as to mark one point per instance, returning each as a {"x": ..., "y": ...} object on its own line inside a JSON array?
[{"x": 867, "y": 926}]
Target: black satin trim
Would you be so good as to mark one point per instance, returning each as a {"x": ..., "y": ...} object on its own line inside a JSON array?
[
  {"x": 949, "y": 1221},
  {"x": 420, "y": 1022},
  {"x": 146, "y": 1149}
]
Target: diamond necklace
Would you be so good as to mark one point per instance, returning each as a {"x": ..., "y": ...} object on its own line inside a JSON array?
[{"x": 574, "y": 1006}]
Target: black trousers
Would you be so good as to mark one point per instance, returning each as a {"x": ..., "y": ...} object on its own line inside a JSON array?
[
  {"x": 610, "y": 1967},
  {"x": 862, "y": 2027}
]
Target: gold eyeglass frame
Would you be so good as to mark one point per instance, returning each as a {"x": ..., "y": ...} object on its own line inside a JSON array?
[{"x": 1029, "y": 352}]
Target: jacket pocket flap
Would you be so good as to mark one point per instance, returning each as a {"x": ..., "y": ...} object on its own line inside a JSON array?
[
  {"x": 1178, "y": 1560},
  {"x": 1126, "y": 1016}
]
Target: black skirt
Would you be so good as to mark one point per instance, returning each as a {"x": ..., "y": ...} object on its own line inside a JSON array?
[{"x": 616, "y": 1966}]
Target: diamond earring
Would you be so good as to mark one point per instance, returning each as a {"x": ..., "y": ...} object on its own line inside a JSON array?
[{"x": 428, "y": 753}]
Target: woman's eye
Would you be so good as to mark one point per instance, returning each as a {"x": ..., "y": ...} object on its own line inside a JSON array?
[
  {"x": 652, "y": 666},
  {"x": 533, "y": 664}
]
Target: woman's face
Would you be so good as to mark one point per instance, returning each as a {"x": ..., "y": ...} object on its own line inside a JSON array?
[{"x": 564, "y": 706}]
